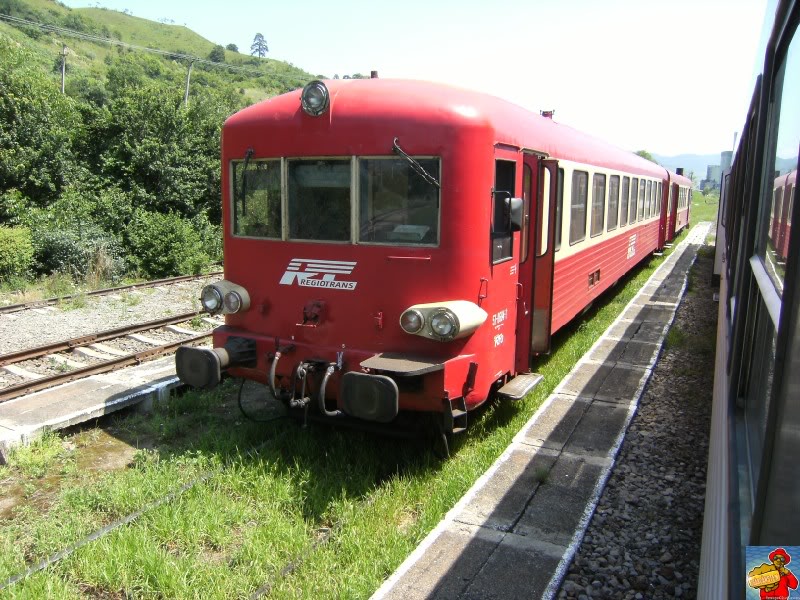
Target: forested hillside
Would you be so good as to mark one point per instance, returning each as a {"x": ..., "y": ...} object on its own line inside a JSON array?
[{"x": 119, "y": 175}]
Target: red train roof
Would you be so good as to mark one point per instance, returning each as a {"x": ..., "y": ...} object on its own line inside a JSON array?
[{"x": 367, "y": 101}]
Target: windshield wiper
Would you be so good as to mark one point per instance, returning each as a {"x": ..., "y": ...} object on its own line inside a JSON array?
[{"x": 415, "y": 165}]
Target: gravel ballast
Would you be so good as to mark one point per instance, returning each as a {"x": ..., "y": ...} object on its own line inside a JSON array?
[{"x": 644, "y": 538}]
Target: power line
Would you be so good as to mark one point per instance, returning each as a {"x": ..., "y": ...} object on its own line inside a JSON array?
[{"x": 107, "y": 40}]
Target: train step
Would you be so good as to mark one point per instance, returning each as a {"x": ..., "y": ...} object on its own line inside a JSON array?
[{"x": 517, "y": 388}]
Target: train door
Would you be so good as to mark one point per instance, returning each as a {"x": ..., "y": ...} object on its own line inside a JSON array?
[
  {"x": 672, "y": 217},
  {"x": 537, "y": 259},
  {"x": 663, "y": 214}
]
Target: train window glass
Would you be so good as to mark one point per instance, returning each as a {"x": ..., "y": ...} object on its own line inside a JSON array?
[
  {"x": 319, "y": 200},
  {"x": 648, "y": 205},
  {"x": 774, "y": 243},
  {"x": 577, "y": 213},
  {"x": 642, "y": 188},
  {"x": 613, "y": 202},
  {"x": 527, "y": 183},
  {"x": 502, "y": 236},
  {"x": 559, "y": 207},
  {"x": 623, "y": 206},
  {"x": 634, "y": 198},
  {"x": 257, "y": 198},
  {"x": 598, "y": 203},
  {"x": 396, "y": 205}
]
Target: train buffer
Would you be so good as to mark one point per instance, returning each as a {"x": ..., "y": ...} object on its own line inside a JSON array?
[{"x": 520, "y": 386}]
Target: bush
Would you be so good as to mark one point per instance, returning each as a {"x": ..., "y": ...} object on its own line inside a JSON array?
[
  {"x": 16, "y": 252},
  {"x": 164, "y": 245},
  {"x": 79, "y": 253}
]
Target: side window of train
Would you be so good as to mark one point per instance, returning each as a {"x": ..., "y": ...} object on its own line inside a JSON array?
[
  {"x": 775, "y": 230},
  {"x": 634, "y": 197},
  {"x": 502, "y": 236},
  {"x": 527, "y": 183},
  {"x": 623, "y": 206},
  {"x": 649, "y": 201},
  {"x": 559, "y": 207},
  {"x": 598, "y": 203},
  {"x": 577, "y": 213},
  {"x": 613, "y": 202},
  {"x": 642, "y": 188},
  {"x": 257, "y": 198}
]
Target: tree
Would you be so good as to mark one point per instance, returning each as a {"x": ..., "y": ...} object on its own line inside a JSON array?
[
  {"x": 646, "y": 155},
  {"x": 259, "y": 47},
  {"x": 217, "y": 54},
  {"x": 232, "y": 47}
]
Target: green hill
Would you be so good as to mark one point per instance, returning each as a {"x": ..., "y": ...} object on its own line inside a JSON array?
[{"x": 44, "y": 26}]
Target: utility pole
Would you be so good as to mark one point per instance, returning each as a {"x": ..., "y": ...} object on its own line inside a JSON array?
[
  {"x": 186, "y": 93},
  {"x": 63, "y": 65}
]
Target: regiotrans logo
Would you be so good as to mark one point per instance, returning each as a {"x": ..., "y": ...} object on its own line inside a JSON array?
[
  {"x": 313, "y": 272},
  {"x": 768, "y": 573}
]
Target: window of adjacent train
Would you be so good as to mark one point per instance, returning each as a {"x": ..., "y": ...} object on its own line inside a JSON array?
[
  {"x": 613, "y": 202},
  {"x": 598, "y": 203},
  {"x": 577, "y": 213},
  {"x": 397, "y": 205},
  {"x": 319, "y": 200},
  {"x": 776, "y": 228},
  {"x": 623, "y": 203},
  {"x": 257, "y": 198},
  {"x": 634, "y": 196}
]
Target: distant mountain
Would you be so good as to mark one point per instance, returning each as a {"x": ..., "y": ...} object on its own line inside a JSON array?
[{"x": 691, "y": 163}]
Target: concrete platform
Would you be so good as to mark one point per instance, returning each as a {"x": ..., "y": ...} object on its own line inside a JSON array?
[
  {"x": 513, "y": 535},
  {"x": 23, "y": 419}
]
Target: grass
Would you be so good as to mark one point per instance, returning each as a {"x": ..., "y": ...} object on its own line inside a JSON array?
[{"x": 261, "y": 516}]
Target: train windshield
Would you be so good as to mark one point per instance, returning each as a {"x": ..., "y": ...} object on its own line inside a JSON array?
[
  {"x": 396, "y": 204},
  {"x": 390, "y": 201}
]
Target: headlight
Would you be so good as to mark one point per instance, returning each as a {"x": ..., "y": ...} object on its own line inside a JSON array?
[
  {"x": 412, "y": 321},
  {"x": 225, "y": 297},
  {"x": 211, "y": 299},
  {"x": 444, "y": 324},
  {"x": 232, "y": 302},
  {"x": 315, "y": 99},
  {"x": 443, "y": 321}
]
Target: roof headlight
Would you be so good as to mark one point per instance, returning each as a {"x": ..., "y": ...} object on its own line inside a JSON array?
[
  {"x": 444, "y": 324},
  {"x": 315, "y": 98},
  {"x": 211, "y": 299},
  {"x": 412, "y": 321}
]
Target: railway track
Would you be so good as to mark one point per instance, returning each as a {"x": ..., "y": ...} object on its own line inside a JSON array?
[
  {"x": 33, "y": 369},
  {"x": 11, "y": 308}
]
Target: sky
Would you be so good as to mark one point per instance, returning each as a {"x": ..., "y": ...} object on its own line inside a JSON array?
[{"x": 667, "y": 76}]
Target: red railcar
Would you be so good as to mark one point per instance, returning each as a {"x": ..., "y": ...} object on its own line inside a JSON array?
[
  {"x": 780, "y": 217},
  {"x": 677, "y": 202},
  {"x": 404, "y": 248}
]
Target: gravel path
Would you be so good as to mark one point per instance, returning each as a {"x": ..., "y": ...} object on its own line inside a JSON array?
[
  {"x": 39, "y": 326},
  {"x": 644, "y": 538}
]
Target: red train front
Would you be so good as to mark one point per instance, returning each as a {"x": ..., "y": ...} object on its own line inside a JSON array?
[{"x": 393, "y": 247}]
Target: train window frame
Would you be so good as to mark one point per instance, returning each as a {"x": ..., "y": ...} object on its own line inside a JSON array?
[
  {"x": 623, "y": 201},
  {"x": 409, "y": 232},
  {"x": 527, "y": 192},
  {"x": 234, "y": 188},
  {"x": 573, "y": 230},
  {"x": 287, "y": 234},
  {"x": 598, "y": 217},
  {"x": 648, "y": 204},
  {"x": 633, "y": 206}
]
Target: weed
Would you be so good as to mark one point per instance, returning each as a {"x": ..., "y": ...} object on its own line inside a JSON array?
[
  {"x": 541, "y": 474},
  {"x": 58, "y": 285},
  {"x": 36, "y": 459},
  {"x": 676, "y": 339}
]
